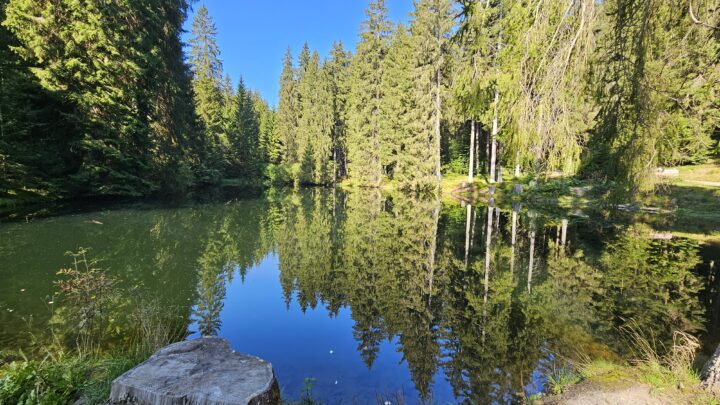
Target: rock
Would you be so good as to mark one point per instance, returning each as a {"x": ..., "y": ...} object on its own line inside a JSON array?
[
  {"x": 710, "y": 374},
  {"x": 202, "y": 371}
]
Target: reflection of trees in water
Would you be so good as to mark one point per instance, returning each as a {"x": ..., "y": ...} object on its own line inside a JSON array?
[
  {"x": 485, "y": 293},
  {"x": 234, "y": 243},
  {"x": 449, "y": 288}
]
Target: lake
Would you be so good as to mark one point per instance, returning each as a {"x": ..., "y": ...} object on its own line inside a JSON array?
[{"x": 364, "y": 297}]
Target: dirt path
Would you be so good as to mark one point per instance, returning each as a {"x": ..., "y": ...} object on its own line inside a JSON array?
[
  {"x": 590, "y": 393},
  {"x": 704, "y": 183}
]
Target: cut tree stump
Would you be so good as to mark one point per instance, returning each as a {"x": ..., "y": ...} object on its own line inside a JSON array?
[
  {"x": 203, "y": 371},
  {"x": 710, "y": 374}
]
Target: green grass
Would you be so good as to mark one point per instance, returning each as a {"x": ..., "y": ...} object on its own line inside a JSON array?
[
  {"x": 671, "y": 376},
  {"x": 63, "y": 377}
]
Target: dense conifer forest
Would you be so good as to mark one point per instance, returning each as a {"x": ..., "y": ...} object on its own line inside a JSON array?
[{"x": 102, "y": 98}]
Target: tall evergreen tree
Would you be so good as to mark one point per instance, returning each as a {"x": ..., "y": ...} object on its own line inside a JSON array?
[
  {"x": 364, "y": 164},
  {"x": 246, "y": 136},
  {"x": 431, "y": 28},
  {"x": 122, "y": 89},
  {"x": 286, "y": 119},
  {"x": 337, "y": 71},
  {"x": 397, "y": 106},
  {"x": 210, "y": 105}
]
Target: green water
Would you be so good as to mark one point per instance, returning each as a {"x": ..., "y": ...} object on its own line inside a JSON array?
[{"x": 370, "y": 294}]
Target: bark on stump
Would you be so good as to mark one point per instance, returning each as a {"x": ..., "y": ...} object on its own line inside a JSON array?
[
  {"x": 203, "y": 371},
  {"x": 710, "y": 374}
]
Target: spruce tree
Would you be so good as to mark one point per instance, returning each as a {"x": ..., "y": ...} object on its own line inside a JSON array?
[
  {"x": 397, "y": 108},
  {"x": 337, "y": 72},
  {"x": 286, "y": 119},
  {"x": 364, "y": 129},
  {"x": 246, "y": 136},
  {"x": 431, "y": 28},
  {"x": 207, "y": 87}
]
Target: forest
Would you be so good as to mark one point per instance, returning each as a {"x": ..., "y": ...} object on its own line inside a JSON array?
[{"x": 103, "y": 98}]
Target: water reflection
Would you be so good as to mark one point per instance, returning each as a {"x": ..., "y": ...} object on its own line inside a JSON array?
[{"x": 478, "y": 301}]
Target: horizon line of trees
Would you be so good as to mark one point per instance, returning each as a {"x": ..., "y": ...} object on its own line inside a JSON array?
[
  {"x": 606, "y": 90},
  {"x": 102, "y": 98}
]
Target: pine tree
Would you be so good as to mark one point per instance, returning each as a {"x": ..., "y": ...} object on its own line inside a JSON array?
[
  {"x": 364, "y": 164},
  {"x": 337, "y": 71},
  {"x": 207, "y": 75},
  {"x": 122, "y": 85},
  {"x": 431, "y": 30},
  {"x": 315, "y": 123},
  {"x": 268, "y": 143},
  {"x": 286, "y": 119},
  {"x": 397, "y": 106},
  {"x": 245, "y": 138}
]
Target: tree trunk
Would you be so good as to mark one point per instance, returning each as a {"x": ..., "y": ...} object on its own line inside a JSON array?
[
  {"x": 563, "y": 232},
  {"x": 517, "y": 164},
  {"x": 477, "y": 147},
  {"x": 532, "y": 258},
  {"x": 438, "y": 106},
  {"x": 471, "y": 166},
  {"x": 493, "y": 138},
  {"x": 488, "y": 242},
  {"x": 513, "y": 238},
  {"x": 433, "y": 248},
  {"x": 468, "y": 222}
]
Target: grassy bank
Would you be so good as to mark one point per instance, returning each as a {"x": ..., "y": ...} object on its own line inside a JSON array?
[
  {"x": 103, "y": 331},
  {"x": 647, "y": 378},
  {"x": 685, "y": 205}
]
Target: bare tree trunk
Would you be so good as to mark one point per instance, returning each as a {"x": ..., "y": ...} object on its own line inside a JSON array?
[
  {"x": 532, "y": 259},
  {"x": 517, "y": 164},
  {"x": 488, "y": 242},
  {"x": 477, "y": 147},
  {"x": 438, "y": 106},
  {"x": 513, "y": 238},
  {"x": 493, "y": 137},
  {"x": 467, "y": 233},
  {"x": 471, "y": 166},
  {"x": 433, "y": 247},
  {"x": 563, "y": 232}
]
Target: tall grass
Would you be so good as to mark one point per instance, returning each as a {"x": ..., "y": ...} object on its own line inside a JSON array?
[
  {"x": 79, "y": 358},
  {"x": 667, "y": 370}
]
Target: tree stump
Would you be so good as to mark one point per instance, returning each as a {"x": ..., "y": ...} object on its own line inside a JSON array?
[
  {"x": 710, "y": 374},
  {"x": 202, "y": 371}
]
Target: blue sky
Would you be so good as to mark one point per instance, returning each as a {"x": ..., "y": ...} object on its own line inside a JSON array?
[{"x": 253, "y": 34}]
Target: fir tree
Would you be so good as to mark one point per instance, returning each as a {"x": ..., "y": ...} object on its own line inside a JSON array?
[
  {"x": 337, "y": 73},
  {"x": 207, "y": 86},
  {"x": 364, "y": 164},
  {"x": 431, "y": 29},
  {"x": 397, "y": 106},
  {"x": 286, "y": 119}
]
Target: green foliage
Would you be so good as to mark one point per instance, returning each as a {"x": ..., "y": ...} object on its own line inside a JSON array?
[
  {"x": 365, "y": 99},
  {"x": 51, "y": 381}
]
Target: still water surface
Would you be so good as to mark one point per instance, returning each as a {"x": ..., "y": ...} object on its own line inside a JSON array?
[{"x": 367, "y": 296}]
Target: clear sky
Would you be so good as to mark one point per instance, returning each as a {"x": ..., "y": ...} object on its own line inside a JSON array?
[{"x": 253, "y": 34}]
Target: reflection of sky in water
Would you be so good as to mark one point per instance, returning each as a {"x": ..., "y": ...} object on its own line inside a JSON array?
[
  {"x": 299, "y": 345},
  {"x": 498, "y": 342}
]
